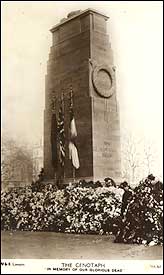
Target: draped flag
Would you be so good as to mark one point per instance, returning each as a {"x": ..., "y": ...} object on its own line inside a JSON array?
[
  {"x": 73, "y": 153},
  {"x": 54, "y": 140},
  {"x": 61, "y": 133}
]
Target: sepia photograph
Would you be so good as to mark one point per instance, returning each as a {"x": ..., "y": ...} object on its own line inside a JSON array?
[{"x": 82, "y": 137}]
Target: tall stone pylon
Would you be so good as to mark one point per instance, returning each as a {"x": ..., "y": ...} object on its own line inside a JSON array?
[{"x": 81, "y": 59}]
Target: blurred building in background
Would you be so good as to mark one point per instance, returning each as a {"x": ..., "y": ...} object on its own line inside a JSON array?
[{"x": 37, "y": 159}]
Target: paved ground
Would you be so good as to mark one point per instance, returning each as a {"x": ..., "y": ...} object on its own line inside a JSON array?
[{"x": 50, "y": 245}]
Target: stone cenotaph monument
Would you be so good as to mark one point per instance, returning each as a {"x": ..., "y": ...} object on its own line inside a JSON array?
[{"x": 81, "y": 85}]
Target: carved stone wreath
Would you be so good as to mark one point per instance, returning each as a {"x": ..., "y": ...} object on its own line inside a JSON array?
[{"x": 103, "y": 79}]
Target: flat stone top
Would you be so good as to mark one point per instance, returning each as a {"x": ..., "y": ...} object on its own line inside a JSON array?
[{"x": 72, "y": 15}]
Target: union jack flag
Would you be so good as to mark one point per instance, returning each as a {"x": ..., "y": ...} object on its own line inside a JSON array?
[
  {"x": 54, "y": 138},
  {"x": 61, "y": 133}
]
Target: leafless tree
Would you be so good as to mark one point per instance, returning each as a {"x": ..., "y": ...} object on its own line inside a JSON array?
[
  {"x": 149, "y": 157},
  {"x": 132, "y": 163},
  {"x": 16, "y": 162},
  {"x": 138, "y": 158}
]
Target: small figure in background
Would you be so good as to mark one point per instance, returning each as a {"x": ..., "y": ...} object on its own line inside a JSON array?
[
  {"x": 41, "y": 175},
  {"x": 37, "y": 185},
  {"x": 109, "y": 182},
  {"x": 127, "y": 196}
]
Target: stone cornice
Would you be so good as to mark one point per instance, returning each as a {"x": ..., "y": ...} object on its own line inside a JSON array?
[{"x": 83, "y": 13}]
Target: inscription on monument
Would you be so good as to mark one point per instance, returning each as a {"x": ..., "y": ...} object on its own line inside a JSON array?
[{"x": 105, "y": 148}]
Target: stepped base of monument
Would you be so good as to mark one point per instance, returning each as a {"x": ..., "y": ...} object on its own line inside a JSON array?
[{"x": 68, "y": 181}]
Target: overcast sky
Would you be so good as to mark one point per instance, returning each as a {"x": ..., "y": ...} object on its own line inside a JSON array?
[{"x": 135, "y": 31}]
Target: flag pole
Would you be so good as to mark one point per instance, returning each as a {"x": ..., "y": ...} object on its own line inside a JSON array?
[
  {"x": 57, "y": 168},
  {"x": 53, "y": 112},
  {"x": 71, "y": 100},
  {"x": 63, "y": 113}
]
